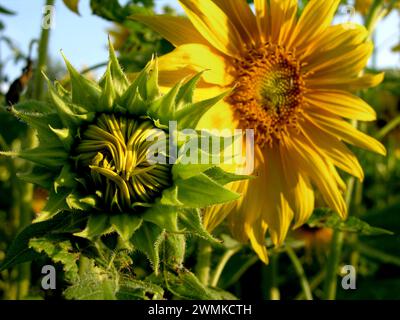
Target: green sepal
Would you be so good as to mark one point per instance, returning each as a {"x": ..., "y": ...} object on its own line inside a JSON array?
[
  {"x": 55, "y": 204},
  {"x": 147, "y": 239},
  {"x": 151, "y": 85},
  {"x": 77, "y": 202},
  {"x": 186, "y": 171},
  {"x": 39, "y": 122},
  {"x": 125, "y": 224},
  {"x": 119, "y": 78},
  {"x": 201, "y": 191},
  {"x": 66, "y": 179},
  {"x": 186, "y": 91},
  {"x": 84, "y": 91},
  {"x": 222, "y": 177},
  {"x": 190, "y": 220},
  {"x": 43, "y": 156},
  {"x": 98, "y": 224},
  {"x": 67, "y": 117},
  {"x": 163, "y": 108},
  {"x": 64, "y": 136},
  {"x": 169, "y": 197},
  {"x": 39, "y": 176},
  {"x": 163, "y": 216},
  {"x": 190, "y": 115},
  {"x": 108, "y": 95},
  {"x": 133, "y": 101},
  {"x": 34, "y": 106}
]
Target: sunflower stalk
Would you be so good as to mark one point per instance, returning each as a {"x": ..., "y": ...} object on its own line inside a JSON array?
[
  {"x": 203, "y": 264},
  {"x": 330, "y": 285},
  {"x": 305, "y": 285},
  {"x": 221, "y": 265}
]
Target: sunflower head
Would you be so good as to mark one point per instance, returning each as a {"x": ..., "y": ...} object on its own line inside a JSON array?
[
  {"x": 104, "y": 155},
  {"x": 294, "y": 74}
]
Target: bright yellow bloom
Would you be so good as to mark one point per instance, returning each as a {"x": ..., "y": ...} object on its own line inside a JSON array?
[{"x": 292, "y": 78}]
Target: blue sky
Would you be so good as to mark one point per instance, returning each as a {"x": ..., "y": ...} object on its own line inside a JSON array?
[{"x": 84, "y": 38}]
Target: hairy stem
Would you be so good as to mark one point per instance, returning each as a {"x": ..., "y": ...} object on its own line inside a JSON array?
[{"x": 202, "y": 268}]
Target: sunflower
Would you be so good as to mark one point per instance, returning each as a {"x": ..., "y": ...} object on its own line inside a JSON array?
[{"x": 292, "y": 77}]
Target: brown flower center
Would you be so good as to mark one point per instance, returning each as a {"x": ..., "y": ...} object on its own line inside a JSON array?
[{"x": 269, "y": 93}]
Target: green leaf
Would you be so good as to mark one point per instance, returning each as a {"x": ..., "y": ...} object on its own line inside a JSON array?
[
  {"x": 185, "y": 285},
  {"x": 148, "y": 239},
  {"x": 97, "y": 225},
  {"x": 163, "y": 216},
  {"x": 125, "y": 224},
  {"x": 328, "y": 219},
  {"x": 190, "y": 219},
  {"x": 94, "y": 284},
  {"x": 72, "y": 5},
  {"x": 130, "y": 289},
  {"x": 19, "y": 250},
  {"x": 60, "y": 251},
  {"x": 201, "y": 191}
]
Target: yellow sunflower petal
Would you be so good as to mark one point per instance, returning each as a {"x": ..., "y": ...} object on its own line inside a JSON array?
[
  {"x": 300, "y": 191},
  {"x": 283, "y": 19},
  {"x": 341, "y": 103},
  {"x": 243, "y": 18},
  {"x": 215, "y": 215},
  {"x": 262, "y": 18},
  {"x": 251, "y": 204},
  {"x": 333, "y": 41},
  {"x": 345, "y": 131},
  {"x": 257, "y": 239},
  {"x": 352, "y": 84},
  {"x": 277, "y": 212},
  {"x": 214, "y": 25},
  {"x": 221, "y": 116},
  {"x": 316, "y": 17},
  {"x": 312, "y": 164},
  {"x": 197, "y": 57},
  {"x": 177, "y": 30},
  {"x": 343, "y": 64},
  {"x": 336, "y": 150}
]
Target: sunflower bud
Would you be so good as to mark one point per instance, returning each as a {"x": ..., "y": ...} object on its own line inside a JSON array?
[{"x": 96, "y": 154}]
